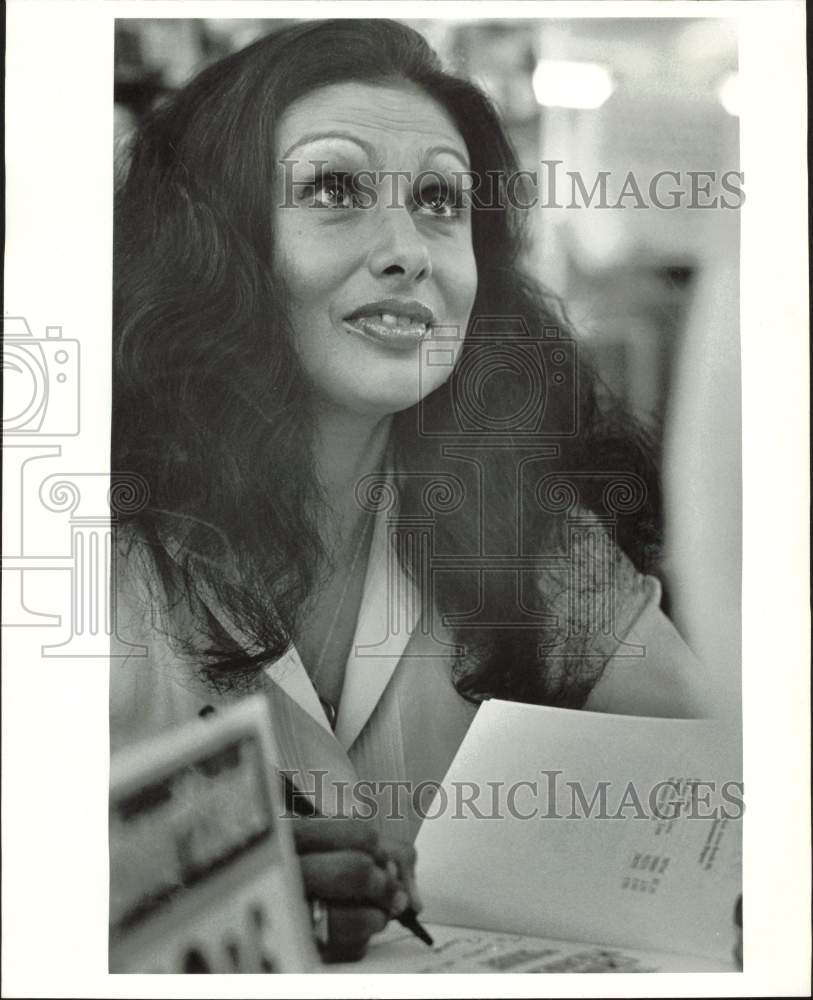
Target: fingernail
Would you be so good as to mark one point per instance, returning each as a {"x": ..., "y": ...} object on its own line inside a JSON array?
[
  {"x": 392, "y": 869},
  {"x": 400, "y": 901}
]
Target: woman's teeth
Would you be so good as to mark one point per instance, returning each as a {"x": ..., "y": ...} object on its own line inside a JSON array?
[
  {"x": 391, "y": 323},
  {"x": 390, "y": 319}
]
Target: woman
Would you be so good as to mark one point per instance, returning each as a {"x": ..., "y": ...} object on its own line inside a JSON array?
[{"x": 383, "y": 486}]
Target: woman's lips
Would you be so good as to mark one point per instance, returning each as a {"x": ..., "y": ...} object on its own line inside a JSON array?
[{"x": 398, "y": 332}]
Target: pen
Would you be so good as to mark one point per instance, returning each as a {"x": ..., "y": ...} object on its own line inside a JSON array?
[
  {"x": 301, "y": 805},
  {"x": 409, "y": 919}
]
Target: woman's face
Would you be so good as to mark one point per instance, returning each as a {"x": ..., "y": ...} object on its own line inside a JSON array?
[{"x": 380, "y": 273}]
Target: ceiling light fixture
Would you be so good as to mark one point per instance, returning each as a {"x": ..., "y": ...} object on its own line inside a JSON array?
[{"x": 560, "y": 83}]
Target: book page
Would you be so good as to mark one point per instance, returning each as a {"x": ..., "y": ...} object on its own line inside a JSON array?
[
  {"x": 620, "y": 831},
  {"x": 460, "y": 949}
]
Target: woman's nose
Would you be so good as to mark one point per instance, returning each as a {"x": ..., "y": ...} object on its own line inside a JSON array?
[{"x": 399, "y": 249}]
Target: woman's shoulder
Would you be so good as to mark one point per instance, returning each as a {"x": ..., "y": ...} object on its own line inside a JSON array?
[
  {"x": 153, "y": 592},
  {"x": 609, "y": 613},
  {"x": 155, "y": 679},
  {"x": 653, "y": 672}
]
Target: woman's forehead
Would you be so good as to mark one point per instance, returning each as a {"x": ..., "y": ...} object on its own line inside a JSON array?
[{"x": 378, "y": 118}]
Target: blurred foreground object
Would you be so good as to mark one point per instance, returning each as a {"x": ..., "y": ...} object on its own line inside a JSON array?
[
  {"x": 703, "y": 483},
  {"x": 203, "y": 873}
]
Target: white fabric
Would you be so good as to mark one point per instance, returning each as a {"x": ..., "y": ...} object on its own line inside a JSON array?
[{"x": 376, "y": 648}]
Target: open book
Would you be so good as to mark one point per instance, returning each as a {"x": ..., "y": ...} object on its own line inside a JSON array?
[{"x": 565, "y": 841}]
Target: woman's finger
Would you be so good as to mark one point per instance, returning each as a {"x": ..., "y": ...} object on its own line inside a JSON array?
[
  {"x": 320, "y": 833},
  {"x": 348, "y": 876},
  {"x": 349, "y": 931},
  {"x": 401, "y": 858}
]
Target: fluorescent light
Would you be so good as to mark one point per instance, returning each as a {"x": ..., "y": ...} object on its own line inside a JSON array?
[
  {"x": 729, "y": 93},
  {"x": 560, "y": 83}
]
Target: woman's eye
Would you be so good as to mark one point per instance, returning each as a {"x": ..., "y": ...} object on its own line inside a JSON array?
[
  {"x": 439, "y": 200},
  {"x": 333, "y": 191}
]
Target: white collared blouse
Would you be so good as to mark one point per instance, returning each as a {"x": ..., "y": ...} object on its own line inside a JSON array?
[{"x": 400, "y": 720}]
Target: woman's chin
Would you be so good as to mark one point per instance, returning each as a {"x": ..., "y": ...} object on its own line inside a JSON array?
[
  {"x": 378, "y": 395},
  {"x": 384, "y": 406}
]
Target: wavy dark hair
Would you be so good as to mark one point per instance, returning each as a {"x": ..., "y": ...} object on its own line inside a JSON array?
[{"x": 212, "y": 408}]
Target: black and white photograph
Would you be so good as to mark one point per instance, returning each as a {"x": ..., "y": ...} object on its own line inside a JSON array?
[{"x": 383, "y": 472}]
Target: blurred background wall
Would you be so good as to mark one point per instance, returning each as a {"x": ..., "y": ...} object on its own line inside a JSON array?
[{"x": 653, "y": 290}]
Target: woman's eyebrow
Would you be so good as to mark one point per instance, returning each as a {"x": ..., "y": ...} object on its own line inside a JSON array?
[
  {"x": 426, "y": 154},
  {"x": 346, "y": 136},
  {"x": 370, "y": 150}
]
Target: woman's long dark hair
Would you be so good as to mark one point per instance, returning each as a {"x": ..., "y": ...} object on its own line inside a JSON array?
[{"x": 212, "y": 408}]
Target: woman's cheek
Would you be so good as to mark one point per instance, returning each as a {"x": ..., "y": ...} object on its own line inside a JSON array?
[{"x": 461, "y": 284}]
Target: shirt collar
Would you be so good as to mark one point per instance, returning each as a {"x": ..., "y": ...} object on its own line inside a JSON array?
[
  {"x": 389, "y": 612},
  {"x": 388, "y": 615}
]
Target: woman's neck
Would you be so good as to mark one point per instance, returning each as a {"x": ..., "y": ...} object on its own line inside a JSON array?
[{"x": 347, "y": 447}]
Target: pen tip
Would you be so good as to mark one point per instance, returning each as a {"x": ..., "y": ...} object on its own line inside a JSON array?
[
  {"x": 425, "y": 936},
  {"x": 409, "y": 919}
]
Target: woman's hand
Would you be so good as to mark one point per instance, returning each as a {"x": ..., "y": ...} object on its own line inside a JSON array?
[{"x": 361, "y": 877}]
